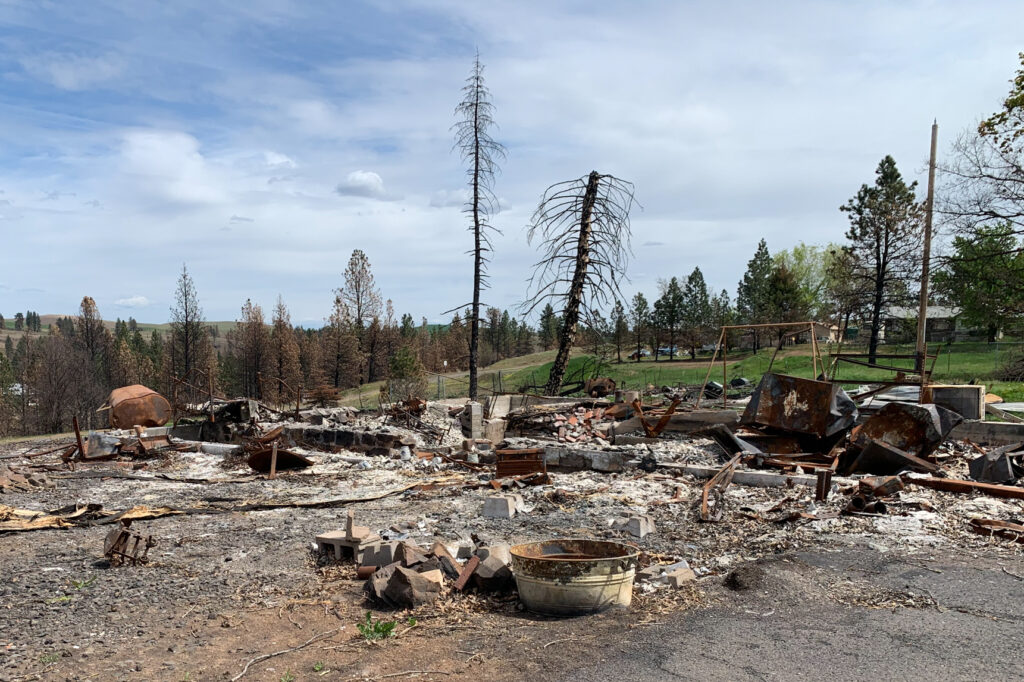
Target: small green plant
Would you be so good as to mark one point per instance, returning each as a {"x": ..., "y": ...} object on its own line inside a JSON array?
[
  {"x": 80, "y": 584},
  {"x": 47, "y": 659},
  {"x": 57, "y": 600},
  {"x": 411, "y": 622},
  {"x": 319, "y": 666},
  {"x": 187, "y": 677},
  {"x": 379, "y": 629},
  {"x": 288, "y": 676}
]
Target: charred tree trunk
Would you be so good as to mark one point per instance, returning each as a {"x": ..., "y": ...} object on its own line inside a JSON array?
[
  {"x": 571, "y": 316},
  {"x": 474, "y": 326}
]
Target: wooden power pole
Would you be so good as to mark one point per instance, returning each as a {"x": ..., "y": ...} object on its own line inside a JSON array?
[{"x": 922, "y": 313}]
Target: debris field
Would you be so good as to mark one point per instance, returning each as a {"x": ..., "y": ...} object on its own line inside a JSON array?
[{"x": 193, "y": 551}]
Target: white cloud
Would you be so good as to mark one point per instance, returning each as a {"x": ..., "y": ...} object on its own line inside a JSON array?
[
  {"x": 73, "y": 72},
  {"x": 362, "y": 183},
  {"x": 277, "y": 160},
  {"x": 449, "y": 197},
  {"x": 132, "y": 302},
  {"x": 168, "y": 165}
]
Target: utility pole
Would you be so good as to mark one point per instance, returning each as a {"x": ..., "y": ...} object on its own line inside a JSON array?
[{"x": 922, "y": 312}]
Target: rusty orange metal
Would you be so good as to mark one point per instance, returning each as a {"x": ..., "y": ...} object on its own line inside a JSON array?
[
  {"x": 795, "y": 405},
  {"x": 137, "y": 405}
]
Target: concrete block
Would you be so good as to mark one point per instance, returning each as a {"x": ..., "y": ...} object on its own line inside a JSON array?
[
  {"x": 967, "y": 401},
  {"x": 661, "y": 573},
  {"x": 473, "y": 420},
  {"x": 637, "y": 525},
  {"x": 580, "y": 460},
  {"x": 502, "y": 506},
  {"x": 502, "y": 552},
  {"x": 494, "y": 430},
  {"x": 380, "y": 553},
  {"x": 337, "y": 542},
  {"x": 680, "y": 577}
]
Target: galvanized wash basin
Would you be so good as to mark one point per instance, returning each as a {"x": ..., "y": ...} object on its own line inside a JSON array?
[{"x": 572, "y": 577}]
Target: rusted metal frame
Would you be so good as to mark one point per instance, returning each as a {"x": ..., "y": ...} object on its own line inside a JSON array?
[
  {"x": 711, "y": 366},
  {"x": 865, "y": 363},
  {"x": 884, "y": 356},
  {"x": 663, "y": 422},
  {"x": 639, "y": 410},
  {"x": 720, "y": 481},
  {"x": 1002, "y": 529},
  {"x": 953, "y": 485},
  {"x": 725, "y": 371},
  {"x": 814, "y": 354},
  {"x": 78, "y": 437}
]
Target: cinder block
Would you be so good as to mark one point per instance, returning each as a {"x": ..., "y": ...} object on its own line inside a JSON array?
[
  {"x": 380, "y": 553},
  {"x": 502, "y": 552},
  {"x": 502, "y": 506},
  {"x": 637, "y": 525}
]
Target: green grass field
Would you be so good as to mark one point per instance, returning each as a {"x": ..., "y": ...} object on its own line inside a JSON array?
[{"x": 955, "y": 364}]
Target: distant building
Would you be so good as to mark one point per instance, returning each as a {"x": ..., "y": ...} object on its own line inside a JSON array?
[{"x": 944, "y": 324}]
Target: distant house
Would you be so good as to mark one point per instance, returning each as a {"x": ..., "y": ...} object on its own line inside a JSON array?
[{"x": 944, "y": 323}]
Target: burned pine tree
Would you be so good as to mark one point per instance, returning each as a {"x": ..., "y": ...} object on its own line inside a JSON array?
[
  {"x": 583, "y": 228},
  {"x": 481, "y": 152}
]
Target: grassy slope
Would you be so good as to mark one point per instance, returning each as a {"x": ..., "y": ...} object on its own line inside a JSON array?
[{"x": 960, "y": 363}]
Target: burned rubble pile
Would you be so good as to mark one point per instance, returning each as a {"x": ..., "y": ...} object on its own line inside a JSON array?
[{"x": 525, "y": 500}]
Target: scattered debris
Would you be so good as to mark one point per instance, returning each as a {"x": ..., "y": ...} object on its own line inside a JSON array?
[{"x": 122, "y": 546}]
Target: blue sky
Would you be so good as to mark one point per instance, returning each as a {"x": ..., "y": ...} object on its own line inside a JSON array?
[{"x": 261, "y": 142}]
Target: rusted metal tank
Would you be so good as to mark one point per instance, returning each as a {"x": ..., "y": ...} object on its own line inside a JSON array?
[
  {"x": 137, "y": 405},
  {"x": 816, "y": 408},
  {"x": 574, "y": 576}
]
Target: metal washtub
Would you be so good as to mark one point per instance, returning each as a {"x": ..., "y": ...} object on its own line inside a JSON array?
[{"x": 572, "y": 577}]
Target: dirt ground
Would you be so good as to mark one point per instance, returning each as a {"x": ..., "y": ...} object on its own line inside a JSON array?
[{"x": 224, "y": 588}]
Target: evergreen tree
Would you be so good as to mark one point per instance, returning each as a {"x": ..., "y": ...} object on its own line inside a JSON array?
[
  {"x": 884, "y": 241},
  {"x": 640, "y": 316},
  {"x": 668, "y": 315},
  {"x": 696, "y": 310},
  {"x": 620, "y": 328},
  {"x": 548, "y": 328},
  {"x": 753, "y": 293}
]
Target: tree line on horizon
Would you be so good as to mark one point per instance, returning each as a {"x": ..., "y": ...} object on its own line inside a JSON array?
[{"x": 582, "y": 228}]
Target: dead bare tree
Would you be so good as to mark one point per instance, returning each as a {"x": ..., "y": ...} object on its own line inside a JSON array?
[
  {"x": 583, "y": 226},
  {"x": 481, "y": 152}
]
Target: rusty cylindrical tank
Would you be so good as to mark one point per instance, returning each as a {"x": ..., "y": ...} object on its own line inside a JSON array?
[{"x": 137, "y": 406}]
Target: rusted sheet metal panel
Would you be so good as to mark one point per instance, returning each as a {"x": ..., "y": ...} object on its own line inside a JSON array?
[
  {"x": 917, "y": 429},
  {"x": 137, "y": 406},
  {"x": 816, "y": 408},
  {"x": 260, "y": 460}
]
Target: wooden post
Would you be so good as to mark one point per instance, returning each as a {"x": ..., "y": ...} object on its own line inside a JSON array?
[
  {"x": 211, "y": 396},
  {"x": 922, "y": 311},
  {"x": 273, "y": 462}
]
